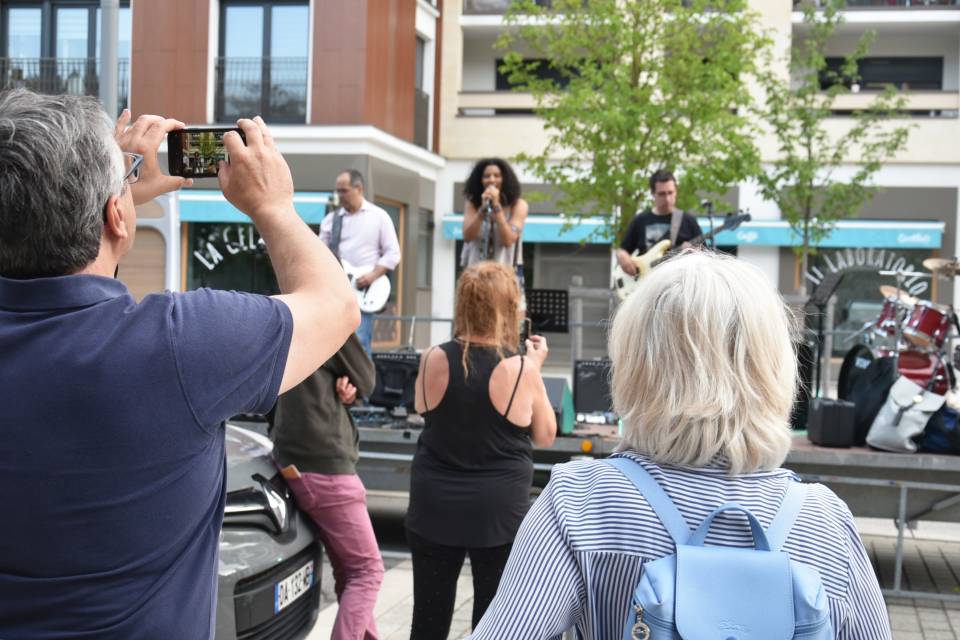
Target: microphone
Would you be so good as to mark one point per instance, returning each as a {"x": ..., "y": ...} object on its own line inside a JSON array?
[{"x": 487, "y": 207}]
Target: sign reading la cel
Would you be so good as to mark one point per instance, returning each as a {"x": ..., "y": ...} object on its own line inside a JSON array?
[
  {"x": 843, "y": 260},
  {"x": 233, "y": 239}
]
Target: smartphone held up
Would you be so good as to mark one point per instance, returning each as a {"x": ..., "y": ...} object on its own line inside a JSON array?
[{"x": 196, "y": 152}]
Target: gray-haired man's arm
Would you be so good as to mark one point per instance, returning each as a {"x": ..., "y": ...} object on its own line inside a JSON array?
[{"x": 257, "y": 181}]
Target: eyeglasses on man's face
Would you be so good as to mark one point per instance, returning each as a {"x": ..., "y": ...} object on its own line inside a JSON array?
[{"x": 132, "y": 162}]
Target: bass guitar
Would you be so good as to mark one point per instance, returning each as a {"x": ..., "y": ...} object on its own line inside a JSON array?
[
  {"x": 624, "y": 283},
  {"x": 373, "y": 298}
]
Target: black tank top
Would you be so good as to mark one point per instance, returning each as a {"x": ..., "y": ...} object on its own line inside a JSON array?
[{"x": 473, "y": 469}]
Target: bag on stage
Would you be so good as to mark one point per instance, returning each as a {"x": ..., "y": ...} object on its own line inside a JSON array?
[
  {"x": 903, "y": 416},
  {"x": 942, "y": 433},
  {"x": 714, "y": 592},
  {"x": 869, "y": 392}
]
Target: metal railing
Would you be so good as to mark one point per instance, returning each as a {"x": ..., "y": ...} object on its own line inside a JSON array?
[
  {"x": 494, "y": 6},
  {"x": 275, "y": 88},
  {"x": 886, "y": 4},
  {"x": 74, "y": 76}
]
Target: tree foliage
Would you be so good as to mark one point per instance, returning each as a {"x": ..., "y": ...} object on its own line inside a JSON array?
[
  {"x": 634, "y": 87},
  {"x": 804, "y": 180}
]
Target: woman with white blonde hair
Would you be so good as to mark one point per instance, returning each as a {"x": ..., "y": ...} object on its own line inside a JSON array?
[{"x": 704, "y": 376}]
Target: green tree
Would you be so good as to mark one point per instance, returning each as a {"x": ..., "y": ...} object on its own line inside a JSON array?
[
  {"x": 803, "y": 180},
  {"x": 208, "y": 145},
  {"x": 626, "y": 88}
]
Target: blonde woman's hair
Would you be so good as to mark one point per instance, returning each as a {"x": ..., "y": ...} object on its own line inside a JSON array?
[
  {"x": 704, "y": 366},
  {"x": 488, "y": 306}
]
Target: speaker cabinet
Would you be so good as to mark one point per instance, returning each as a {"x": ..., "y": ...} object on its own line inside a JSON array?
[
  {"x": 591, "y": 386},
  {"x": 396, "y": 379}
]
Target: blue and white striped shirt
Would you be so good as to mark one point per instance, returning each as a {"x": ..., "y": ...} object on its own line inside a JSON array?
[{"x": 580, "y": 550}]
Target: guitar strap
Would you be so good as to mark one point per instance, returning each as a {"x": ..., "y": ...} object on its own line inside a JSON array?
[
  {"x": 675, "y": 219},
  {"x": 335, "y": 234}
]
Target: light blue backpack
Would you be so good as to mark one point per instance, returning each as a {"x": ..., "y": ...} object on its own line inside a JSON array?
[{"x": 724, "y": 593}]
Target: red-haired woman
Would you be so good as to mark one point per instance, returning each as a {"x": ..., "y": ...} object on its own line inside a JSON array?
[{"x": 473, "y": 469}]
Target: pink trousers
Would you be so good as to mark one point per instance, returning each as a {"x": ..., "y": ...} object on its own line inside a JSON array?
[{"x": 337, "y": 504}]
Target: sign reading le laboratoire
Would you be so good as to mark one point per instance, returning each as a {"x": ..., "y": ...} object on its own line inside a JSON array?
[{"x": 844, "y": 260}]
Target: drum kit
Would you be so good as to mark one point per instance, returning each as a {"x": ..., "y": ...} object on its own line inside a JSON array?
[{"x": 916, "y": 333}]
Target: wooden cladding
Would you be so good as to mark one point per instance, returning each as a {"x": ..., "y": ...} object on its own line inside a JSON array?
[
  {"x": 364, "y": 64},
  {"x": 170, "y": 59}
]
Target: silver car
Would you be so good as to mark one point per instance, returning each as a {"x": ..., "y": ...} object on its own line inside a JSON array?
[{"x": 269, "y": 556}]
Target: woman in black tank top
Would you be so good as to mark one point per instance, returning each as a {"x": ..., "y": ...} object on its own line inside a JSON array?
[{"x": 471, "y": 476}]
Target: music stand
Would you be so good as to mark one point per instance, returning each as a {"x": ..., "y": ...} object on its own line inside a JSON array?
[
  {"x": 820, "y": 298},
  {"x": 547, "y": 310}
]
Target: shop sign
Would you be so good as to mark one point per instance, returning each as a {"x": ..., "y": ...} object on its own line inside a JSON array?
[
  {"x": 232, "y": 239},
  {"x": 861, "y": 259}
]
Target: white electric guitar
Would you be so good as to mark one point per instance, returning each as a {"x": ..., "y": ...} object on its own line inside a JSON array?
[
  {"x": 374, "y": 298},
  {"x": 624, "y": 283}
]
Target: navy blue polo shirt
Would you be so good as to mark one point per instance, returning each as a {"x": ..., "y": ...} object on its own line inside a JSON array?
[{"x": 112, "y": 470}]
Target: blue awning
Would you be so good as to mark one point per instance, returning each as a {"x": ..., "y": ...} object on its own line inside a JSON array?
[
  {"x": 209, "y": 205},
  {"x": 901, "y": 234}
]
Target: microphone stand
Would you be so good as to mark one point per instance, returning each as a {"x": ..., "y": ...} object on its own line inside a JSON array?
[
  {"x": 486, "y": 231},
  {"x": 708, "y": 206}
]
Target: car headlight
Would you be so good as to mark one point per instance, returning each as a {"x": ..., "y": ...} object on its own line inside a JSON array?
[{"x": 263, "y": 505}]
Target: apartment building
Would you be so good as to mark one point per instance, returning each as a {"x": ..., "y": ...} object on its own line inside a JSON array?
[
  {"x": 913, "y": 215},
  {"x": 408, "y": 92},
  {"x": 345, "y": 84}
]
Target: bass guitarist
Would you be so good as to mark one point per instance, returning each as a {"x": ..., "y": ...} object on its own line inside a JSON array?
[
  {"x": 362, "y": 234},
  {"x": 662, "y": 222}
]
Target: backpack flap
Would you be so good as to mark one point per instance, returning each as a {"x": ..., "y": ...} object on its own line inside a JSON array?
[{"x": 733, "y": 594}]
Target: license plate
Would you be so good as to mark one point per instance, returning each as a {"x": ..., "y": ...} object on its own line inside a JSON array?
[{"x": 292, "y": 587}]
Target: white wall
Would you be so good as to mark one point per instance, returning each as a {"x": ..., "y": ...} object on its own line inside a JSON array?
[
  {"x": 479, "y": 68},
  {"x": 766, "y": 258}
]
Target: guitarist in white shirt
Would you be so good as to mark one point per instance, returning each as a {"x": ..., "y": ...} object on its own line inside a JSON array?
[
  {"x": 367, "y": 240},
  {"x": 653, "y": 225}
]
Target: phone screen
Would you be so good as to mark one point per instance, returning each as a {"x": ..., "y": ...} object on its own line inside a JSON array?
[{"x": 197, "y": 152}]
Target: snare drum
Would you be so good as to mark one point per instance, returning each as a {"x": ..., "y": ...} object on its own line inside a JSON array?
[
  {"x": 928, "y": 325},
  {"x": 890, "y": 316}
]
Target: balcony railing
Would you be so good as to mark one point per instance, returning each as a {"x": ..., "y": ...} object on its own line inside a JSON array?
[
  {"x": 887, "y": 4},
  {"x": 275, "y": 88},
  {"x": 74, "y": 76},
  {"x": 421, "y": 118},
  {"x": 934, "y": 104},
  {"x": 481, "y": 7}
]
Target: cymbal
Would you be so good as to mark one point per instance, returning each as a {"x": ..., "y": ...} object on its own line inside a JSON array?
[
  {"x": 891, "y": 292},
  {"x": 943, "y": 266}
]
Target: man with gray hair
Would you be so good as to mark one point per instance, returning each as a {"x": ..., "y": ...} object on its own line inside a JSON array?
[{"x": 112, "y": 462}]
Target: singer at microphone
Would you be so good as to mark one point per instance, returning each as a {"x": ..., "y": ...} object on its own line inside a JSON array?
[{"x": 493, "y": 215}]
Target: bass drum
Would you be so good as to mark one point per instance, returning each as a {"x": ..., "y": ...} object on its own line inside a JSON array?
[{"x": 915, "y": 365}]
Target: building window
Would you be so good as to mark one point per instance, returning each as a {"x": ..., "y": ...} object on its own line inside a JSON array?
[
  {"x": 901, "y": 72},
  {"x": 262, "y": 63},
  {"x": 54, "y": 47},
  {"x": 421, "y": 99}
]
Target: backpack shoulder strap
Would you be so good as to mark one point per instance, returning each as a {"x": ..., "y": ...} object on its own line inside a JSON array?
[
  {"x": 783, "y": 521},
  {"x": 657, "y": 498}
]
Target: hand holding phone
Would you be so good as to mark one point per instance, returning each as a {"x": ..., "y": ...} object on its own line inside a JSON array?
[
  {"x": 196, "y": 152},
  {"x": 537, "y": 349},
  {"x": 144, "y": 137},
  {"x": 257, "y": 179}
]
